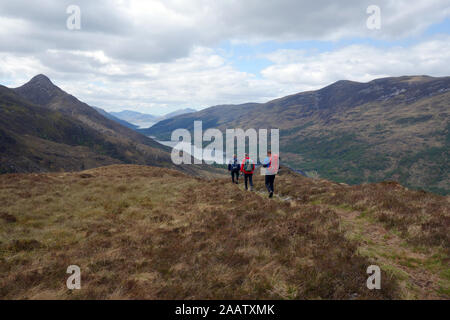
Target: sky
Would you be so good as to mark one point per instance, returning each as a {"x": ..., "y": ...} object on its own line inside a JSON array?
[{"x": 159, "y": 56}]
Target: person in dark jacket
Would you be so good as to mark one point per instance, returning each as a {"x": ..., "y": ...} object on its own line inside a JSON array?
[
  {"x": 233, "y": 167},
  {"x": 247, "y": 168}
]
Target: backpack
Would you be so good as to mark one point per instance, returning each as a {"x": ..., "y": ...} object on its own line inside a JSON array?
[{"x": 248, "y": 165}]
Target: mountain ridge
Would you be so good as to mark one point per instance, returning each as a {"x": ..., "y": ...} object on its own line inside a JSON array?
[
  {"x": 350, "y": 131},
  {"x": 42, "y": 92},
  {"x": 46, "y": 129}
]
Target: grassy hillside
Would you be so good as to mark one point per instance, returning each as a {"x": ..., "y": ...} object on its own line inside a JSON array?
[
  {"x": 405, "y": 231},
  {"x": 392, "y": 128},
  {"x": 154, "y": 233}
]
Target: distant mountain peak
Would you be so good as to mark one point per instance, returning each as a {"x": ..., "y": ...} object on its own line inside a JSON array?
[
  {"x": 39, "y": 90},
  {"x": 40, "y": 77},
  {"x": 41, "y": 80}
]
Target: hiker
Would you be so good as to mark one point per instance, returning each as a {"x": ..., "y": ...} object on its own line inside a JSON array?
[
  {"x": 233, "y": 167},
  {"x": 270, "y": 165},
  {"x": 247, "y": 168}
]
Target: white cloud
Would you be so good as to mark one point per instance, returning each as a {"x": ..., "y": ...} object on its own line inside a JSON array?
[
  {"x": 202, "y": 79},
  {"x": 17, "y": 69},
  {"x": 157, "y": 56},
  {"x": 205, "y": 78},
  {"x": 159, "y": 31},
  {"x": 299, "y": 71}
]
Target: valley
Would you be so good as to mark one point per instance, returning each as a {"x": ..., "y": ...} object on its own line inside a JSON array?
[
  {"x": 80, "y": 187},
  {"x": 224, "y": 159},
  {"x": 386, "y": 129}
]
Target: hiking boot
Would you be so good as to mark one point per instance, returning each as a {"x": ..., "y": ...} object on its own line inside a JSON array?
[
  {"x": 271, "y": 195},
  {"x": 251, "y": 188}
]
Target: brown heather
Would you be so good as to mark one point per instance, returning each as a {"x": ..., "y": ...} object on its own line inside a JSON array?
[{"x": 155, "y": 233}]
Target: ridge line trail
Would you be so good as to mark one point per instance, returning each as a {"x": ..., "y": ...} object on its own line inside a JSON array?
[{"x": 388, "y": 249}]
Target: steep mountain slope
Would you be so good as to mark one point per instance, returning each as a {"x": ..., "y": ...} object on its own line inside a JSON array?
[
  {"x": 34, "y": 138},
  {"x": 126, "y": 145},
  {"x": 154, "y": 233},
  {"x": 57, "y": 132},
  {"x": 390, "y": 128},
  {"x": 41, "y": 91}
]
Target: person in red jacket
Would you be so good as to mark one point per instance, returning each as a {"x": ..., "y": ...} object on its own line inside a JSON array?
[{"x": 247, "y": 167}]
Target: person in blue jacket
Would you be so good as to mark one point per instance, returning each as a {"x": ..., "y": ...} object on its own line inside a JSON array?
[{"x": 234, "y": 167}]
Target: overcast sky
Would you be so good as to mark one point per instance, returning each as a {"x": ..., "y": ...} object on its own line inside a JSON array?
[{"x": 159, "y": 56}]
